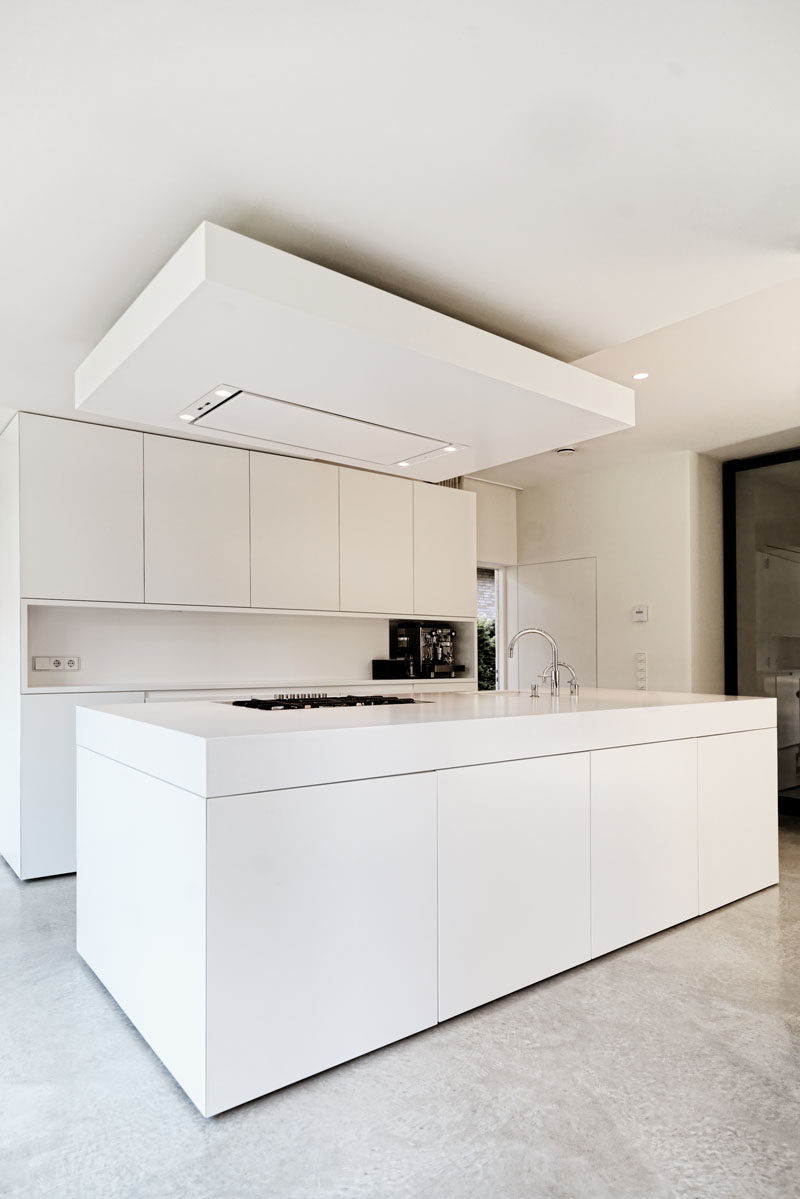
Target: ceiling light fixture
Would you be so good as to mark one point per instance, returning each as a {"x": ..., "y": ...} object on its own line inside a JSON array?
[
  {"x": 401, "y": 464},
  {"x": 566, "y": 449},
  {"x": 450, "y": 449},
  {"x": 641, "y": 375}
]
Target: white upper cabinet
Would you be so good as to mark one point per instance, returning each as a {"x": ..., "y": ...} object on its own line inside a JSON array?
[
  {"x": 294, "y": 515},
  {"x": 80, "y": 511},
  {"x": 445, "y": 555},
  {"x": 197, "y": 523},
  {"x": 377, "y": 542}
]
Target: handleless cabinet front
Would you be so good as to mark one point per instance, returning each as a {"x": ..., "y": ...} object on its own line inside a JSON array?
[
  {"x": 294, "y": 514},
  {"x": 445, "y": 551},
  {"x": 737, "y": 815},
  {"x": 80, "y": 511},
  {"x": 376, "y": 542},
  {"x": 197, "y": 523},
  {"x": 644, "y": 841},
  {"x": 513, "y": 876}
]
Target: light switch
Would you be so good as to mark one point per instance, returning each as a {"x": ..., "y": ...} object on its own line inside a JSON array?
[{"x": 639, "y": 613}]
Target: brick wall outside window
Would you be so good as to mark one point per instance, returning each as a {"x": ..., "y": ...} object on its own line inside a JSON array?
[{"x": 486, "y": 593}]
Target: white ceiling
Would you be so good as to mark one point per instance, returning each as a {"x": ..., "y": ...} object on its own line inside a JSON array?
[{"x": 570, "y": 175}]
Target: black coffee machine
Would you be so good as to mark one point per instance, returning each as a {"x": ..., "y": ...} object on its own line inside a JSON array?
[{"x": 419, "y": 650}]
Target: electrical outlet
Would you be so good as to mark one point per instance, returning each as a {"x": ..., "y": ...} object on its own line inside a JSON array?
[{"x": 69, "y": 662}]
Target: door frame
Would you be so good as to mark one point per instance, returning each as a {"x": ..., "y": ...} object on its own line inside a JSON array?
[{"x": 730, "y": 471}]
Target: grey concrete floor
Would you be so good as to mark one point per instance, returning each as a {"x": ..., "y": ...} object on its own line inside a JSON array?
[{"x": 670, "y": 1068}]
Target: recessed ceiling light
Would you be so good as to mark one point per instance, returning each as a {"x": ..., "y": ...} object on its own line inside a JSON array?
[
  {"x": 186, "y": 416},
  {"x": 401, "y": 464},
  {"x": 450, "y": 449},
  {"x": 566, "y": 449},
  {"x": 641, "y": 375}
]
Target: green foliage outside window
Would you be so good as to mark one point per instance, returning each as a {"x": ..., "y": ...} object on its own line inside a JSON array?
[{"x": 487, "y": 661}]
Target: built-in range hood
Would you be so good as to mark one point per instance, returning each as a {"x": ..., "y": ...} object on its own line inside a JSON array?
[{"x": 236, "y": 341}]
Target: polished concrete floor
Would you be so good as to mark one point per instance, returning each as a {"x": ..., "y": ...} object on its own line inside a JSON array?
[{"x": 670, "y": 1068}]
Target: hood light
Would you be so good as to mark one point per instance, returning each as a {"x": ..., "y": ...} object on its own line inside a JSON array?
[{"x": 186, "y": 416}]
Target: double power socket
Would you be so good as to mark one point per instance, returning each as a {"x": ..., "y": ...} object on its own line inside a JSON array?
[{"x": 57, "y": 662}]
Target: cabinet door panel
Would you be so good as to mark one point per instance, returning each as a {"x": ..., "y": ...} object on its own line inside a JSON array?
[
  {"x": 321, "y": 928},
  {"x": 197, "y": 523},
  {"x": 294, "y": 512},
  {"x": 644, "y": 841},
  {"x": 47, "y": 773},
  {"x": 738, "y": 815},
  {"x": 80, "y": 511},
  {"x": 376, "y": 548},
  {"x": 513, "y": 876},
  {"x": 445, "y": 553}
]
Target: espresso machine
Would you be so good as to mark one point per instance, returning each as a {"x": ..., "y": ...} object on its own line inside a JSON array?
[{"x": 419, "y": 650}]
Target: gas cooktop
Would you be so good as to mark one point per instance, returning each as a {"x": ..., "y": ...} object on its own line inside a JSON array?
[{"x": 316, "y": 699}]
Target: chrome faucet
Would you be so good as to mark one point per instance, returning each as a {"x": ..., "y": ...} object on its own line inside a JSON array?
[
  {"x": 574, "y": 687},
  {"x": 555, "y": 677}
]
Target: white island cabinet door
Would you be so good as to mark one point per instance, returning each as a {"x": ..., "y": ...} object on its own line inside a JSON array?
[
  {"x": 321, "y": 929},
  {"x": 197, "y": 523},
  {"x": 294, "y": 515},
  {"x": 80, "y": 511},
  {"x": 445, "y": 553},
  {"x": 377, "y": 538},
  {"x": 644, "y": 841},
  {"x": 738, "y": 815},
  {"x": 513, "y": 876}
]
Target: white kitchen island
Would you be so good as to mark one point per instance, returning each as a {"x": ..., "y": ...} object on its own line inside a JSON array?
[{"x": 268, "y": 894}]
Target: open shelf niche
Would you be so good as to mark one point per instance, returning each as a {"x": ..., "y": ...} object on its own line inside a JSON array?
[{"x": 159, "y": 649}]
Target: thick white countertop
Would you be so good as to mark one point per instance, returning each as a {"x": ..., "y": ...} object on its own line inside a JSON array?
[{"x": 215, "y": 749}]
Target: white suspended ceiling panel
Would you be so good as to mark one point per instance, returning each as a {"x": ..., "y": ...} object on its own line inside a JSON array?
[{"x": 255, "y": 346}]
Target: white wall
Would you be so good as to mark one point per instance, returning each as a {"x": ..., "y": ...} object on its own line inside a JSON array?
[
  {"x": 707, "y": 590},
  {"x": 9, "y": 646},
  {"x": 652, "y": 526}
]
